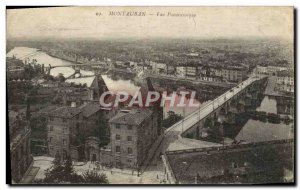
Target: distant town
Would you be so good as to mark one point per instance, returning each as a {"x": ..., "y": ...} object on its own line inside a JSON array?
[{"x": 241, "y": 133}]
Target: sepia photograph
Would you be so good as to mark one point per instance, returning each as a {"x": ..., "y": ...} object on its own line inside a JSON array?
[{"x": 150, "y": 95}]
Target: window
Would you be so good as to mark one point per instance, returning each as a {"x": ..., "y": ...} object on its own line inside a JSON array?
[
  {"x": 64, "y": 120},
  {"x": 64, "y": 142},
  {"x": 65, "y": 130},
  {"x": 51, "y": 128},
  {"x": 129, "y": 127},
  {"x": 129, "y": 138},
  {"x": 129, "y": 160},
  {"x": 118, "y": 137},
  {"x": 129, "y": 150},
  {"x": 50, "y": 139},
  {"x": 51, "y": 119},
  {"x": 118, "y": 126},
  {"x": 118, "y": 149}
]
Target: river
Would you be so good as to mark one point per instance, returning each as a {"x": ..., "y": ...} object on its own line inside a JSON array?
[
  {"x": 114, "y": 85},
  {"x": 256, "y": 131}
]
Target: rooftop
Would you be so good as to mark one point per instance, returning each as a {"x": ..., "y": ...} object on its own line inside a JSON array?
[
  {"x": 131, "y": 117},
  {"x": 213, "y": 162},
  {"x": 65, "y": 112},
  {"x": 90, "y": 109},
  {"x": 285, "y": 73}
]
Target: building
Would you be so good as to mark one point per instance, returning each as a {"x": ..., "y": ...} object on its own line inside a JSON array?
[
  {"x": 273, "y": 69},
  {"x": 191, "y": 72},
  {"x": 181, "y": 71},
  {"x": 234, "y": 73},
  {"x": 216, "y": 71},
  {"x": 261, "y": 69},
  {"x": 210, "y": 73},
  {"x": 171, "y": 70},
  {"x": 69, "y": 129},
  {"x": 158, "y": 67},
  {"x": 131, "y": 135},
  {"x": 261, "y": 162},
  {"x": 20, "y": 156},
  {"x": 270, "y": 69},
  {"x": 285, "y": 81},
  {"x": 62, "y": 125},
  {"x": 95, "y": 86}
]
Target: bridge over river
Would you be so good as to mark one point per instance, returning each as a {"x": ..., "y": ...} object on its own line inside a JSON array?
[{"x": 174, "y": 136}]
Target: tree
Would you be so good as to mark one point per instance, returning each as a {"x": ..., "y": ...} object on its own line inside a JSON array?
[
  {"x": 94, "y": 177},
  {"x": 62, "y": 172},
  {"x": 171, "y": 119},
  {"x": 55, "y": 173},
  {"x": 61, "y": 77}
]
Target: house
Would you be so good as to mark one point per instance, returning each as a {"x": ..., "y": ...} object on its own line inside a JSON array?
[
  {"x": 285, "y": 81},
  {"x": 132, "y": 132}
]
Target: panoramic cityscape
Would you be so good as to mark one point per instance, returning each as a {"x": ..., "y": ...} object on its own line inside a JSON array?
[{"x": 119, "y": 105}]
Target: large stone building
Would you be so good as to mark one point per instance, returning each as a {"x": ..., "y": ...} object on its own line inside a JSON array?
[
  {"x": 131, "y": 135},
  {"x": 20, "y": 157},
  {"x": 70, "y": 127},
  {"x": 234, "y": 73}
]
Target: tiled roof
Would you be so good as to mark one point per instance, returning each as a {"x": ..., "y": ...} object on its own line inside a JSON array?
[
  {"x": 90, "y": 108},
  {"x": 133, "y": 117},
  {"x": 65, "y": 112}
]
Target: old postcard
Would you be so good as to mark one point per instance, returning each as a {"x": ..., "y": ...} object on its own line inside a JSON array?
[{"x": 150, "y": 95}]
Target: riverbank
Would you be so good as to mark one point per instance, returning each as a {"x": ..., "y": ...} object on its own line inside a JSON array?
[{"x": 270, "y": 89}]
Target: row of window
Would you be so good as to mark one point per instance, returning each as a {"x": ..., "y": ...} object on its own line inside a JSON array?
[
  {"x": 129, "y": 127},
  {"x": 129, "y": 138},
  {"x": 129, "y": 150}
]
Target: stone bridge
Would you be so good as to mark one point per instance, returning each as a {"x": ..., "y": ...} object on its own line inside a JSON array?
[{"x": 222, "y": 109}]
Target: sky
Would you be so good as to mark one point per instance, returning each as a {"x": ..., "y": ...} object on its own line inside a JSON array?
[{"x": 209, "y": 22}]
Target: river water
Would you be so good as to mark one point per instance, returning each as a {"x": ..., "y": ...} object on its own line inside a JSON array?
[
  {"x": 114, "y": 85},
  {"x": 256, "y": 131}
]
